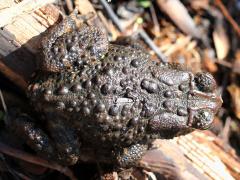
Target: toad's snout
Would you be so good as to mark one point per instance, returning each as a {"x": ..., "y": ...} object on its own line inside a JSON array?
[
  {"x": 198, "y": 100},
  {"x": 202, "y": 107}
]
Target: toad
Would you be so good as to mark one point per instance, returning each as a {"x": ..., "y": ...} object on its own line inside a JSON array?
[{"x": 109, "y": 101}]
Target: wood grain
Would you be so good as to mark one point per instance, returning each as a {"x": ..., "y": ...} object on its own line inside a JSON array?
[{"x": 21, "y": 27}]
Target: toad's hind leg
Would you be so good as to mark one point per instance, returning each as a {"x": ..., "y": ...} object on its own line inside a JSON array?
[
  {"x": 59, "y": 148},
  {"x": 66, "y": 141},
  {"x": 129, "y": 156},
  {"x": 33, "y": 136}
]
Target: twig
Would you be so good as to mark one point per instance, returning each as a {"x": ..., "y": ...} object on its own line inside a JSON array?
[
  {"x": 155, "y": 20},
  {"x": 69, "y": 5},
  {"x": 228, "y": 16},
  {"x": 14, "y": 77},
  {"x": 225, "y": 80},
  {"x": 21, "y": 175},
  {"x": 224, "y": 135},
  {"x": 4, "y": 167},
  {"x": 3, "y": 102},
  {"x": 35, "y": 160},
  {"x": 152, "y": 45},
  {"x": 15, "y": 174},
  {"x": 141, "y": 32},
  {"x": 112, "y": 15},
  {"x": 224, "y": 63}
]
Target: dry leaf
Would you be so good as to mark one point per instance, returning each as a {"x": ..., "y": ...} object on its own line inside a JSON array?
[
  {"x": 179, "y": 15},
  {"x": 221, "y": 41},
  {"x": 234, "y": 91}
]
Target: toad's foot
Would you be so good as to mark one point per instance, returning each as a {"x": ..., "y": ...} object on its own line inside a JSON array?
[{"x": 129, "y": 156}]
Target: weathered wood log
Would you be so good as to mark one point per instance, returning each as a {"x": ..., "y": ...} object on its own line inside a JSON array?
[{"x": 21, "y": 26}]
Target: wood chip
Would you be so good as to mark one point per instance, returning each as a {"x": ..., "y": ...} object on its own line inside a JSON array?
[{"x": 234, "y": 91}]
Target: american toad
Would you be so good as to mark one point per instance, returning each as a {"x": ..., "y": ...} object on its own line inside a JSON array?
[{"x": 109, "y": 101}]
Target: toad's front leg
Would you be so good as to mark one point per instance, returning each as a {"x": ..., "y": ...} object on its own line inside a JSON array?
[
  {"x": 59, "y": 147},
  {"x": 71, "y": 43},
  {"x": 129, "y": 156}
]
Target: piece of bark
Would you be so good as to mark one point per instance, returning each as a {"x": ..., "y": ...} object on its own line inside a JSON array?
[
  {"x": 199, "y": 155},
  {"x": 20, "y": 35}
]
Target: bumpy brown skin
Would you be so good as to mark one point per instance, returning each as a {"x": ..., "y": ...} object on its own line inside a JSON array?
[{"x": 110, "y": 100}]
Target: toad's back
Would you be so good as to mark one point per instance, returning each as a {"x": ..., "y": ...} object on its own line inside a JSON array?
[{"x": 111, "y": 100}]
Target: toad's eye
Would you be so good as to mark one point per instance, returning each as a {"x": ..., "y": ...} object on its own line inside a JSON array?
[
  {"x": 203, "y": 119},
  {"x": 205, "y": 82}
]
